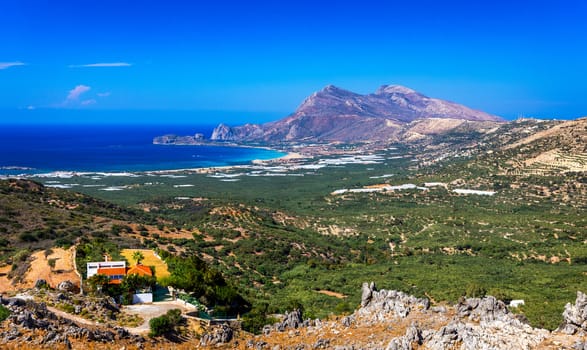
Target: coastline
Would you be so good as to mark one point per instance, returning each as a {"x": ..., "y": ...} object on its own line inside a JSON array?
[{"x": 286, "y": 157}]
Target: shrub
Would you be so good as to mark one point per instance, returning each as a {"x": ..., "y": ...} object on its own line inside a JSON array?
[
  {"x": 63, "y": 242},
  {"x": 4, "y": 313},
  {"x": 164, "y": 324},
  {"x": 475, "y": 291},
  {"x": 28, "y": 237},
  {"x": 51, "y": 263},
  {"x": 174, "y": 316},
  {"x": 159, "y": 326}
]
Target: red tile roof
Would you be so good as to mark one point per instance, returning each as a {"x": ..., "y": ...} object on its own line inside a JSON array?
[
  {"x": 140, "y": 270},
  {"x": 110, "y": 271},
  {"x": 113, "y": 272}
]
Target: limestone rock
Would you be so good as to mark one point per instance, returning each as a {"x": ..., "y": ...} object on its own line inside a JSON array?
[
  {"x": 413, "y": 336},
  {"x": 485, "y": 309},
  {"x": 486, "y": 323},
  {"x": 381, "y": 303},
  {"x": 575, "y": 316},
  {"x": 367, "y": 293},
  {"x": 291, "y": 320},
  {"x": 29, "y": 315},
  {"x": 41, "y": 283},
  {"x": 218, "y": 335},
  {"x": 66, "y": 286},
  {"x": 347, "y": 321}
]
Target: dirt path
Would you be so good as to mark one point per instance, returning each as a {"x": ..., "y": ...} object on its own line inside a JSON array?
[
  {"x": 332, "y": 294},
  {"x": 74, "y": 318},
  {"x": 146, "y": 311}
]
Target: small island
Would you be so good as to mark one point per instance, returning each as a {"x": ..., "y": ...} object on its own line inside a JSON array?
[{"x": 171, "y": 139}]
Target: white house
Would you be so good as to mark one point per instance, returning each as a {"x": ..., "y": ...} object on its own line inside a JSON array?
[{"x": 93, "y": 267}]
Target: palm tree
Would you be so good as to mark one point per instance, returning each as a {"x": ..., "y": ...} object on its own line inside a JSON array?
[{"x": 138, "y": 256}]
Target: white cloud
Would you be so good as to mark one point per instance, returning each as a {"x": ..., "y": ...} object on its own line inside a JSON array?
[
  {"x": 103, "y": 94},
  {"x": 30, "y": 108},
  {"x": 88, "y": 102},
  {"x": 4, "y": 65},
  {"x": 102, "y": 64},
  {"x": 76, "y": 92}
]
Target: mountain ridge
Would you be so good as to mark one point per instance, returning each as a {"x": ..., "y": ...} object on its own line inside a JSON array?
[{"x": 336, "y": 114}]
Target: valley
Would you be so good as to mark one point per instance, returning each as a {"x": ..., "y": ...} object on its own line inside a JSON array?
[{"x": 443, "y": 219}]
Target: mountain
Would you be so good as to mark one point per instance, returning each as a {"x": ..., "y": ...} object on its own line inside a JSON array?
[{"x": 392, "y": 113}]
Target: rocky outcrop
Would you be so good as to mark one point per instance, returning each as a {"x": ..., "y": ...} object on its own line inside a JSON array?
[
  {"x": 367, "y": 293},
  {"x": 485, "y": 323},
  {"x": 334, "y": 114},
  {"x": 50, "y": 329},
  {"x": 41, "y": 283},
  {"x": 217, "y": 335},
  {"x": 479, "y": 323},
  {"x": 171, "y": 139},
  {"x": 291, "y": 320},
  {"x": 483, "y": 309},
  {"x": 67, "y": 286},
  {"x": 379, "y": 304},
  {"x": 393, "y": 320},
  {"x": 224, "y": 132},
  {"x": 413, "y": 336},
  {"x": 575, "y": 316}
]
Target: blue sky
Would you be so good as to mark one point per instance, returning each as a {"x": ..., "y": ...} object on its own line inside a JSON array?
[{"x": 257, "y": 60}]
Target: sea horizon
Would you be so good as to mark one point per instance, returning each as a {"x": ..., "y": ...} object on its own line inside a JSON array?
[{"x": 28, "y": 150}]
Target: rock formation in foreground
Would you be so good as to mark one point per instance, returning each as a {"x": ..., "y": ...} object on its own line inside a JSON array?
[
  {"x": 32, "y": 325},
  {"x": 393, "y": 320}
]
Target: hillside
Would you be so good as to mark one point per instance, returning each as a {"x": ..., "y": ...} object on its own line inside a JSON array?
[
  {"x": 385, "y": 319},
  {"x": 392, "y": 113},
  {"x": 460, "y": 214},
  {"x": 559, "y": 149},
  {"x": 41, "y": 227}
]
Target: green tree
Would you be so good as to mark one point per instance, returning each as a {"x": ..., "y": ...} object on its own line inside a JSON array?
[
  {"x": 165, "y": 324},
  {"x": 51, "y": 263},
  {"x": 98, "y": 281},
  {"x": 133, "y": 283},
  {"x": 159, "y": 326}
]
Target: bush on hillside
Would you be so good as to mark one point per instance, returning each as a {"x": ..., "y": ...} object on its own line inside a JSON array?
[
  {"x": 164, "y": 324},
  {"x": 4, "y": 313}
]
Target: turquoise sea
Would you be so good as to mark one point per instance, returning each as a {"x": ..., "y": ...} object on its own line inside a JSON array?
[{"x": 37, "y": 149}]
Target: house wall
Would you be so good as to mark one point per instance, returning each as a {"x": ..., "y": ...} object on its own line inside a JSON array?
[{"x": 142, "y": 298}]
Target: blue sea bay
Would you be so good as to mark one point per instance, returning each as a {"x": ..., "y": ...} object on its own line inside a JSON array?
[{"x": 35, "y": 149}]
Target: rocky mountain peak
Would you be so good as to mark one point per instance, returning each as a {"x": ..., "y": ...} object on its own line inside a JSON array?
[
  {"x": 334, "y": 91},
  {"x": 395, "y": 89},
  {"x": 335, "y": 114}
]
